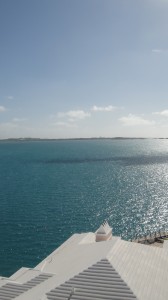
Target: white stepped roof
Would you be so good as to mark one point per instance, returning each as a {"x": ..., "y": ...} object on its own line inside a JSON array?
[
  {"x": 11, "y": 290},
  {"x": 96, "y": 270},
  {"x": 100, "y": 281}
]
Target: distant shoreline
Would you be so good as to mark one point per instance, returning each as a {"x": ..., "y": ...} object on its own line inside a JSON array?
[{"x": 75, "y": 139}]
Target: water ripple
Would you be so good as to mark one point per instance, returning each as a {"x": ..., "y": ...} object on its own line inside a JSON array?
[{"x": 49, "y": 191}]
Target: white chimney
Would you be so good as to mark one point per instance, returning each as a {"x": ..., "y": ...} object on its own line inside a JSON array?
[{"x": 104, "y": 233}]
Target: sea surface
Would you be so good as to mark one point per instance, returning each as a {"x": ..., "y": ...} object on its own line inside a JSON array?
[{"x": 52, "y": 189}]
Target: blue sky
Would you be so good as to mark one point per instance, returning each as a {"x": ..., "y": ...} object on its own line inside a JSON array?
[{"x": 83, "y": 68}]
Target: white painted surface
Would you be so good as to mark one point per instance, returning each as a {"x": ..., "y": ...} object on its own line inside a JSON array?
[{"x": 143, "y": 268}]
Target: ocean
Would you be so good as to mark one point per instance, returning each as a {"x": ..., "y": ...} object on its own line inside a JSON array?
[{"x": 52, "y": 189}]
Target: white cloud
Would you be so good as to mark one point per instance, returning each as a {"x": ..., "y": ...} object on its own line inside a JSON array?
[
  {"x": 74, "y": 115},
  {"x": 8, "y": 125},
  {"x": 163, "y": 113},
  {"x": 52, "y": 116},
  {"x": 65, "y": 125},
  {"x": 10, "y": 97},
  {"x": 2, "y": 108},
  {"x": 19, "y": 119},
  {"x": 105, "y": 108},
  {"x": 133, "y": 120},
  {"x": 158, "y": 51},
  {"x": 13, "y": 129}
]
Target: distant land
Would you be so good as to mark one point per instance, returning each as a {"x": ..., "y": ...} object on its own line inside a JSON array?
[{"x": 62, "y": 139}]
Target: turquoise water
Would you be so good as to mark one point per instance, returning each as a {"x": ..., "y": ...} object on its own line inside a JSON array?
[{"x": 52, "y": 189}]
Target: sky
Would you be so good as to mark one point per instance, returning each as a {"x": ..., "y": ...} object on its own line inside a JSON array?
[{"x": 83, "y": 68}]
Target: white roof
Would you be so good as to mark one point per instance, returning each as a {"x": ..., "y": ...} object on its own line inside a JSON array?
[
  {"x": 143, "y": 270},
  {"x": 100, "y": 281}
]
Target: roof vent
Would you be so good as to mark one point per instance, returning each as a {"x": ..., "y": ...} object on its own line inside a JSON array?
[{"x": 104, "y": 232}]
